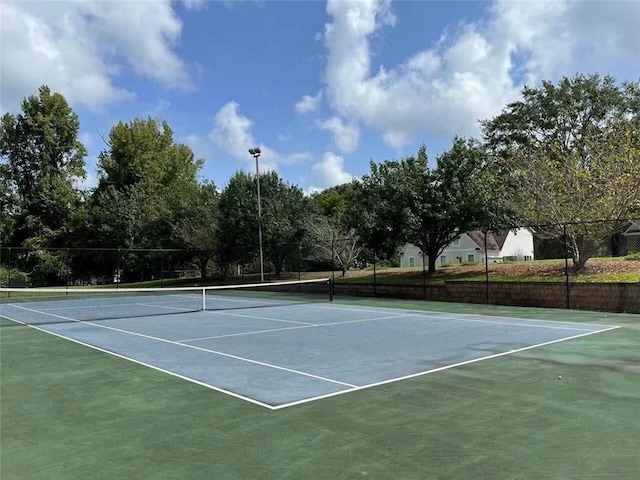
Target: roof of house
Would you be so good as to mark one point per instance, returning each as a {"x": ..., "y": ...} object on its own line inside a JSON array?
[
  {"x": 634, "y": 228},
  {"x": 494, "y": 241}
]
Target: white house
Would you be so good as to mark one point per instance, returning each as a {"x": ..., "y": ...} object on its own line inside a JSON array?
[{"x": 469, "y": 247}]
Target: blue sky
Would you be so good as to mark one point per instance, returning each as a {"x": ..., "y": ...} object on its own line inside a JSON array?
[{"x": 321, "y": 87}]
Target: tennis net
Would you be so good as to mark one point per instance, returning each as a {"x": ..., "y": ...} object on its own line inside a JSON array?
[{"x": 37, "y": 306}]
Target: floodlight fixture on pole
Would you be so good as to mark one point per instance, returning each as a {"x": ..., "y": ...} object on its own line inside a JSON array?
[{"x": 255, "y": 152}]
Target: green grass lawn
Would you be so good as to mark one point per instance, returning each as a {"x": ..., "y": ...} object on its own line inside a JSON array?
[{"x": 70, "y": 412}]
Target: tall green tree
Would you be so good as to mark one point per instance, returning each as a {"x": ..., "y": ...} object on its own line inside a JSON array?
[
  {"x": 41, "y": 162},
  {"x": 8, "y": 204},
  {"x": 146, "y": 182},
  {"x": 332, "y": 202},
  {"x": 573, "y": 149},
  {"x": 197, "y": 227},
  {"x": 42, "y": 159},
  {"x": 151, "y": 180},
  {"x": 284, "y": 213},
  {"x": 430, "y": 207}
]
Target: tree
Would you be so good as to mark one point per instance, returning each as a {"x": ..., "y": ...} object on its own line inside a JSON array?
[
  {"x": 8, "y": 203},
  {"x": 146, "y": 182},
  {"x": 373, "y": 211},
  {"x": 284, "y": 214},
  {"x": 332, "y": 202},
  {"x": 432, "y": 207},
  {"x": 150, "y": 177},
  {"x": 332, "y": 243},
  {"x": 196, "y": 228},
  {"x": 573, "y": 149},
  {"x": 42, "y": 159}
]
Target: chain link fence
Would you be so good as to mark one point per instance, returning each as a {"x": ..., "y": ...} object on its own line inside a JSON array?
[{"x": 587, "y": 265}]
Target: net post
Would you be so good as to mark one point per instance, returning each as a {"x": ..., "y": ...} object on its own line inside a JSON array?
[
  {"x": 330, "y": 283},
  {"x": 204, "y": 299}
]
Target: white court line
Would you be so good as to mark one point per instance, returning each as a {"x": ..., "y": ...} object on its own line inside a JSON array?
[
  {"x": 429, "y": 314},
  {"x": 244, "y": 333},
  {"x": 222, "y": 354},
  {"x": 106, "y": 305},
  {"x": 439, "y": 369},
  {"x": 220, "y": 312},
  {"x": 148, "y": 365},
  {"x": 474, "y": 320},
  {"x": 168, "y": 307},
  {"x": 285, "y": 328}
]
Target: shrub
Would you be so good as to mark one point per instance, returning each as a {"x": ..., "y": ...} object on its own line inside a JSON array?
[
  {"x": 18, "y": 278},
  {"x": 633, "y": 256}
]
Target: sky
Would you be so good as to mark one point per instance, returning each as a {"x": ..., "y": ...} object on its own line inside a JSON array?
[{"x": 322, "y": 88}]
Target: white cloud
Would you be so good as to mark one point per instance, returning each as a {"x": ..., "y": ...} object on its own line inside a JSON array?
[
  {"x": 194, "y": 5},
  {"x": 232, "y": 133},
  {"x": 284, "y": 137},
  {"x": 308, "y": 104},
  {"x": 328, "y": 173},
  {"x": 469, "y": 74},
  {"x": 199, "y": 144},
  {"x": 80, "y": 48},
  {"x": 160, "y": 107},
  {"x": 346, "y": 136},
  {"x": 88, "y": 182}
]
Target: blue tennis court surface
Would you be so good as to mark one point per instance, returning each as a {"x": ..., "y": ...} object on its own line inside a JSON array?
[{"x": 279, "y": 356}]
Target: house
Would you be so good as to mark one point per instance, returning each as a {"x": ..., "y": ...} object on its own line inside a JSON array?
[
  {"x": 469, "y": 247},
  {"x": 631, "y": 238}
]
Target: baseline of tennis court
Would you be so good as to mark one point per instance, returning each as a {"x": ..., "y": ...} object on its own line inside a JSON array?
[{"x": 280, "y": 356}]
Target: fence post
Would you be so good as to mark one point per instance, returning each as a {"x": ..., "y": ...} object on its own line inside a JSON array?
[
  {"x": 268, "y": 262},
  {"x": 67, "y": 270},
  {"x": 375, "y": 279},
  {"x": 424, "y": 275},
  {"x": 118, "y": 269},
  {"x": 566, "y": 266},
  {"x": 486, "y": 267},
  {"x": 161, "y": 266},
  {"x": 333, "y": 266},
  {"x": 299, "y": 267},
  {"x": 9, "y": 270},
  {"x": 242, "y": 264}
]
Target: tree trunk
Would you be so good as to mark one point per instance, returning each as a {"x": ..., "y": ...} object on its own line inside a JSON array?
[
  {"x": 431, "y": 265},
  {"x": 578, "y": 254},
  {"x": 203, "y": 261}
]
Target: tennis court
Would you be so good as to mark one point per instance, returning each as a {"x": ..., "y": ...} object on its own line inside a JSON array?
[{"x": 277, "y": 345}]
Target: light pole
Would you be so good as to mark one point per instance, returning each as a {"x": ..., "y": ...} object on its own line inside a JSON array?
[{"x": 255, "y": 152}]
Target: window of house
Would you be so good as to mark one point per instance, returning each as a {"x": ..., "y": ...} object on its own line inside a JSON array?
[
  {"x": 443, "y": 259},
  {"x": 455, "y": 243},
  {"x": 471, "y": 257},
  {"x": 412, "y": 261}
]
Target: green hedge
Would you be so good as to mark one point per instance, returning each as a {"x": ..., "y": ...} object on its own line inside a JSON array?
[{"x": 18, "y": 278}]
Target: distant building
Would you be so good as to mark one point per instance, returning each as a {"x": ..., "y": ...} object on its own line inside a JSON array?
[
  {"x": 469, "y": 247},
  {"x": 631, "y": 239}
]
